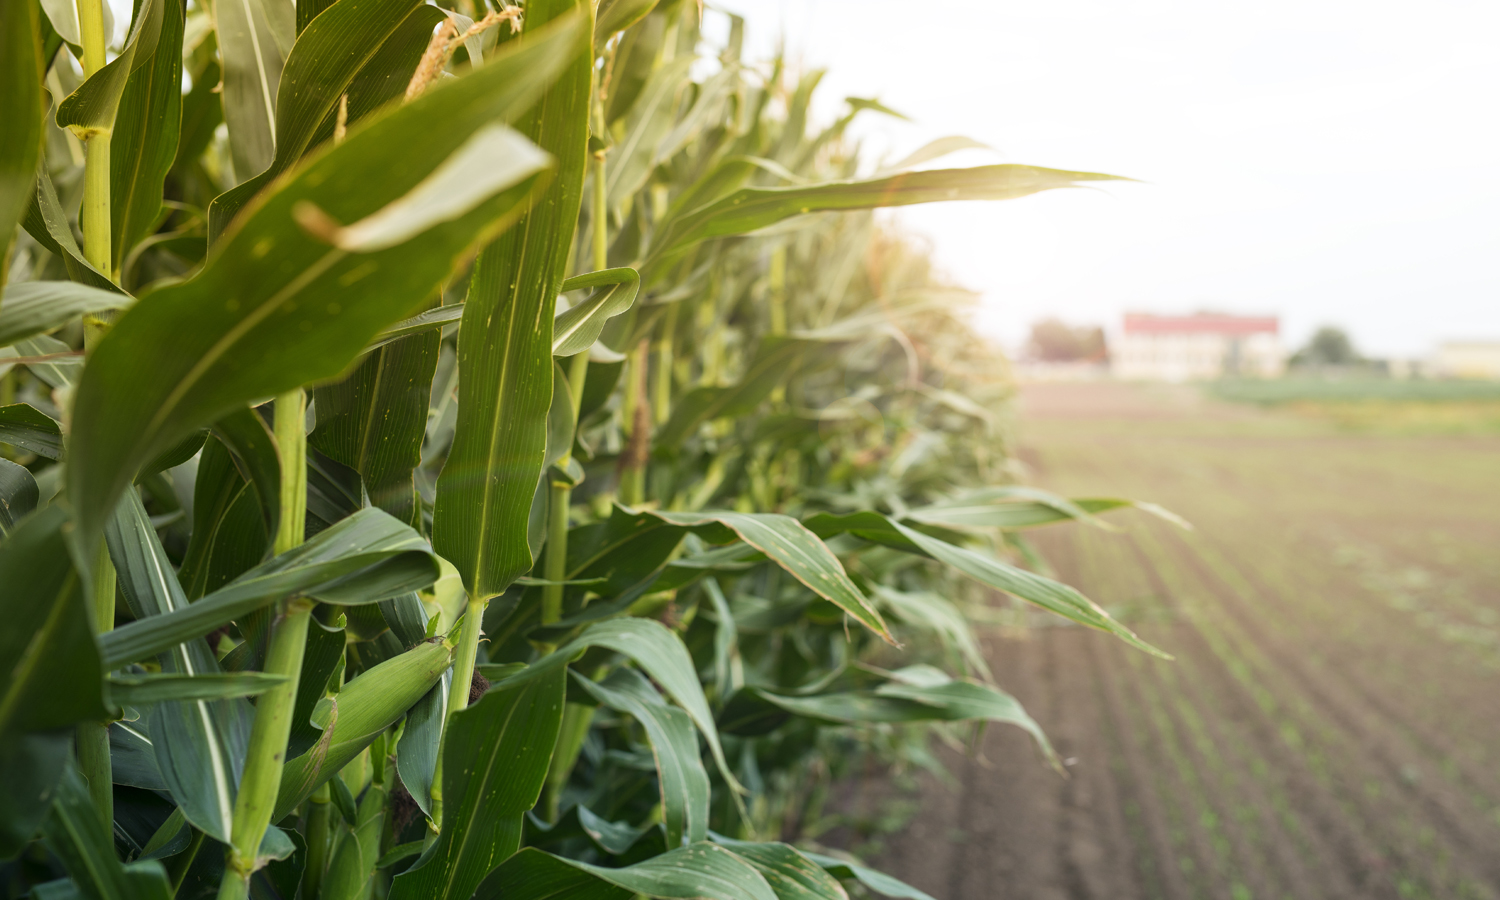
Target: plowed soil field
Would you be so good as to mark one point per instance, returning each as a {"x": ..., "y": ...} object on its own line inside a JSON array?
[{"x": 1330, "y": 727}]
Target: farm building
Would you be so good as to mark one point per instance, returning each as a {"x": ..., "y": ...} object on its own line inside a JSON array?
[
  {"x": 1467, "y": 359},
  {"x": 1202, "y": 345}
]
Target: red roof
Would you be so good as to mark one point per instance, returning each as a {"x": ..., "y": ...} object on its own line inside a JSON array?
[{"x": 1199, "y": 323}]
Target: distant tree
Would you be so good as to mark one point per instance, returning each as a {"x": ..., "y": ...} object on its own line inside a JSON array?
[
  {"x": 1055, "y": 341},
  {"x": 1329, "y": 346}
]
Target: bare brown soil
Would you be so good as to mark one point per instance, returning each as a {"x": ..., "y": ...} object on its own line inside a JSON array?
[{"x": 1330, "y": 727}]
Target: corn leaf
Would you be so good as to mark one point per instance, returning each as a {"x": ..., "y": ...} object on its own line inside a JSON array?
[
  {"x": 789, "y": 873},
  {"x": 356, "y": 850},
  {"x": 30, "y": 429},
  {"x": 374, "y": 420},
  {"x": 773, "y": 361},
  {"x": 576, "y": 330},
  {"x": 322, "y": 65},
  {"x": 144, "y": 141},
  {"x": 254, "y": 42},
  {"x": 34, "y": 307},
  {"x": 792, "y": 546},
  {"x": 485, "y": 492},
  {"x": 421, "y": 739},
  {"x": 247, "y": 327},
  {"x": 18, "y": 495},
  {"x": 132, "y": 756},
  {"x": 753, "y": 208},
  {"x": 615, "y": 16},
  {"x": 701, "y": 871},
  {"x": 139, "y": 690},
  {"x": 91, "y": 108},
  {"x": 199, "y": 737},
  {"x": 1044, "y": 592},
  {"x": 366, "y": 557},
  {"x": 30, "y": 767},
  {"x": 81, "y": 839},
  {"x": 21, "y": 110},
  {"x": 656, "y": 650},
  {"x": 51, "y": 676},
  {"x": 495, "y": 759},
  {"x": 682, "y": 779},
  {"x": 229, "y": 527},
  {"x": 47, "y": 224}
]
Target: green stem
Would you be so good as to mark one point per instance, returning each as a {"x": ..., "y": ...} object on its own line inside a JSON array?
[
  {"x": 95, "y": 218},
  {"x": 556, "y": 569},
  {"x": 469, "y": 629},
  {"x": 290, "y": 425},
  {"x": 316, "y": 836},
  {"x": 266, "y": 752},
  {"x": 93, "y": 737},
  {"x": 661, "y": 393},
  {"x": 637, "y": 413}
]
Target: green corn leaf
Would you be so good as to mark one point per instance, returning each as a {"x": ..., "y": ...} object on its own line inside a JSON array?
[
  {"x": 573, "y": 330},
  {"x": 660, "y": 653},
  {"x": 139, "y": 690},
  {"x": 229, "y": 528},
  {"x": 80, "y": 838},
  {"x": 701, "y": 871},
  {"x": 485, "y": 492},
  {"x": 132, "y": 757},
  {"x": 357, "y": 714},
  {"x": 322, "y": 65},
  {"x": 1011, "y": 506},
  {"x": 21, "y": 110},
  {"x": 247, "y": 437},
  {"x": 773, "y": 362},
  {"x": 966, "y": 700},
  {"x": 374, "y": 420},
  {"x": 1044, "y": 592},
  {"x": 683, "y": 780},
  {"x": 18, "y": 495},
  {"x": 47, "y": 224},
  {"x": 91, "y": 108},
  {"x": 879, "y": 882},
  {"x": 787, "y": 870},
  {"x": 576, "y": 330},
  {"x": 614, "y": 16},
  {"x": 796, "y": 549},
  {"x": 356, "y": 851},
  {"x": 51, "y": 676},
  {"x": 421, "y": 738},
  {"x": 753, "y": 208},
  {"x": 254, "y": 39},
  {"x": 198, "y": 737},
  {"x": 30, "y": 767},
  {"x": 144, "y": 143},
  {"x": 30, "y": 429},
  {"x": 247, "y": 326},
  {"x": 495, "y": 759},
  {"x": 651, "y": 117},
  {"x": 366, "y": 557},
  {"x": 432, "y": 319},
  {"x": 753, "y": 711}
]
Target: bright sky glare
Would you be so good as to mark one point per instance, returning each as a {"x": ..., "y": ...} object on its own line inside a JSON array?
[{"x": 1331, "y": 162}]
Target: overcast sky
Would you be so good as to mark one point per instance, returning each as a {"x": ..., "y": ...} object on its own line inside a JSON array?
[{"x": 1330, "y": 162}]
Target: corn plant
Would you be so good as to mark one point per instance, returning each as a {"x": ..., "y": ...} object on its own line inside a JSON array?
[{"x": 433, "y": 586}]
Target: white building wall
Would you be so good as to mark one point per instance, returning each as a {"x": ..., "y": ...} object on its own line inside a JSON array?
[
  {"x": 1468, "y": 359},
  {"x": 1152, "y": 356}
]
